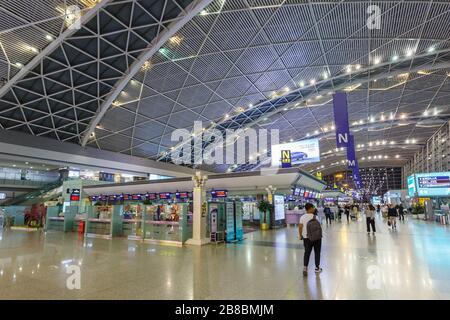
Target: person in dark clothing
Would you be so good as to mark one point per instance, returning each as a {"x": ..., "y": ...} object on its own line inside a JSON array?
[
  {"x": 308, "y": 243},
  {"x": 339, "y": 212},
  {"x": 378, "y": 208},
  {"x": 328, "y": 213},
  {"x": 347, "y": 212},
  {"x": 370, "y": 218},
  {"x": 392, "y": 216},
  {"x": 401, "y": 212}
]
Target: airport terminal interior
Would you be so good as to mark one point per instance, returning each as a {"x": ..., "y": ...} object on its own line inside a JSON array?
[{"x": 224, "y": 149}]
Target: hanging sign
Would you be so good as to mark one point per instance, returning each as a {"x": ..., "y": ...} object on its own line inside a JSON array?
[{"x": 340, "y": 111}]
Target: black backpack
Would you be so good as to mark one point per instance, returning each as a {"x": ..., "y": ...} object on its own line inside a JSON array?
[{"x": 314, "y": 230}]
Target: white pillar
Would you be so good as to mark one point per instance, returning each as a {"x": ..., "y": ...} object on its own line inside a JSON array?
[{"x": 199, "y": 236}]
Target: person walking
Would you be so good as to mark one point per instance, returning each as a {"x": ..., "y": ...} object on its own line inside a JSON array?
[
  {"x": 401, "y": 212},
  {"x": 310, "y": 231},
  {"x": 339, "y": 209},
  {"x": 328, "y": 214},
  {"x": 392, "y": 216},
  {"x": 370, "y": 218},
  {"x": 347, "y": 212}
]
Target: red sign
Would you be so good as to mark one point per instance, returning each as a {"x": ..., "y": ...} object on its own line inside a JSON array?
[{"x": 151, "y": 196}]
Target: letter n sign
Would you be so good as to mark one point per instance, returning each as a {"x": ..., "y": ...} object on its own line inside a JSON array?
[
  {"x": 341, "y": 119},
  {"x": 286, "y": 161}
]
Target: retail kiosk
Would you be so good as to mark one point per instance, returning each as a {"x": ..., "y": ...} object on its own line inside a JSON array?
[{"x": 432, "y": 191}]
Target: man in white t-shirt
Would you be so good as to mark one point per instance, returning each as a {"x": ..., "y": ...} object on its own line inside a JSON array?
[{"x": 309, "y": 245}]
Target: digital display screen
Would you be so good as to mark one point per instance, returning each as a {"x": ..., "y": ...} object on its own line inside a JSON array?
[
  {"x": 105, "y": 176},
  {"x": 112, "y": 198},
  {"x": 279, "y": 207},
  {"x": 295, "y": 153},
  {"x": 411, "y": 186},
  {"x": 104, "y": 198},
  {"x": 182, "y": 195},
  {"x": 126, "y": 197},
  {"x": 432, "y": 184},
  {"x": 151, "y": 196},
  {"x": 74, "y": 174},
  {"x": 75, "y": 197},
  {"x": 136, "y": 197},
  {"x": 297, "y": 192},
  {"x": 219, "y": 193},
  {"x": 306, "y": 194},
  {"x": 164, "y": 195}
]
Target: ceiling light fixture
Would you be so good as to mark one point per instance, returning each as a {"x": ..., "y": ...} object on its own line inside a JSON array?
[{"x": 409, "y": 52}]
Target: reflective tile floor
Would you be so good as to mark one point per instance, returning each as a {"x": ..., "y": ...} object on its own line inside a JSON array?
[{"x": 411, "y": 263}]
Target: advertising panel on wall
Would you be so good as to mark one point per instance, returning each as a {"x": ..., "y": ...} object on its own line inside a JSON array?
[
  {"x": 435, "y": 184},
  {"x": 304, "y": 151},
  {"x": 279, "y": 207},
  {"x": 411, "y": 181}
]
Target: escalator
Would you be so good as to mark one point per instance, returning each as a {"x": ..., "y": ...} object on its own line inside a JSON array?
[{"x": 50, "y": 191}]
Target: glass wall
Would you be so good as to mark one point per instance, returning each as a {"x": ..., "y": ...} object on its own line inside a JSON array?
[{"x": 28, "y": 175}]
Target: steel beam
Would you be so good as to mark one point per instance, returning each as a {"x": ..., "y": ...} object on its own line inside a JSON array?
[{"x": 191, "y": 11}]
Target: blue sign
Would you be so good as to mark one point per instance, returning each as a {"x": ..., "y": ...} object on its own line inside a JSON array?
[
  {"x": 219, "y": 193},
  {"x": 435, "y": 184},
  {"x": 340, "y": 111}
]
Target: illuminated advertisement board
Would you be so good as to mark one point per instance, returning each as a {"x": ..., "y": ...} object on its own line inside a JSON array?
[
  {"x": 164, "y": 195},
  {"x": 411, "y": 186},
  {"x": 151, "y": 196},
  {"x": 435, "y": 184},
  {"x": 295, "y": 153},
  {"x": 279, "y": 207},
  {"x": 219, "y": 193}
]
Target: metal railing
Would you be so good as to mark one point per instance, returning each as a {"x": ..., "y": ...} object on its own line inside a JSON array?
[{"x": 29, "y": 183}]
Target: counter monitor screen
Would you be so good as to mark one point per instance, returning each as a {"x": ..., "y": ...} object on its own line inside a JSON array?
[
  {"x": 219, "y": 193},
  {"x": 164, "y": 196},
  {"x": 182, "y": 195},
  {"x": 136, "y": 197},
  {"x": 151, "y": 196}
]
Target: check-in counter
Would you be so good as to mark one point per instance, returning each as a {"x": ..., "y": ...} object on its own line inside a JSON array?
[
  {"x": 16, "y": 214},
  {"x": 104, "y": 222},
  {"x": 64, "y": 222},
  {"x": 293, "y": 216},
  {"x": 158, "y": 228}
]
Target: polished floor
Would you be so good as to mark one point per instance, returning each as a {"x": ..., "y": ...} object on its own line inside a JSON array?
[{"x": 410, "y": 263}]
